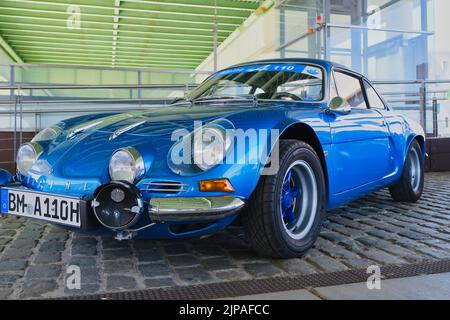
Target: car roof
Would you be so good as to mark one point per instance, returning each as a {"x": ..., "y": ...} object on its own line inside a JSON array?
[{"x": 324, "y": 63}]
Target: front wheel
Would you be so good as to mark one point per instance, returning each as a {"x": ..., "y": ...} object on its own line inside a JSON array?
[
  {"x": 286, "y": 210},
  {"x": 410, "y": 186}
]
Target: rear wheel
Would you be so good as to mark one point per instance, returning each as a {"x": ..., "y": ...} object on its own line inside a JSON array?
[
  {"x": 410, "y": 186},
  {"x": 286, "y": 210}
]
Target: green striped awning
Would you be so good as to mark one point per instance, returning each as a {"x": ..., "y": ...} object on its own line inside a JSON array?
[{"x": 174, "y": 34}]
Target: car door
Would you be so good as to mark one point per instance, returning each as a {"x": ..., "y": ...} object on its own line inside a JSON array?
[{"x": 360, "y": 138}]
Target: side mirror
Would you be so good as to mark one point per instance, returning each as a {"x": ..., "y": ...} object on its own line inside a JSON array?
[{"x": 339, "y": 105}]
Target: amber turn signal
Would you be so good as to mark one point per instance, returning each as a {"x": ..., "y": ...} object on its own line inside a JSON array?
[{"x": 216, "y": 185}]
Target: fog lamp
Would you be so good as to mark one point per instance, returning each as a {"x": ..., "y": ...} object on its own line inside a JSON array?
[{"x": 125, "y": 208}]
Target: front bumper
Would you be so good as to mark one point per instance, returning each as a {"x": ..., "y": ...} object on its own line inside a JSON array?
[{"x": 193, "y": 208}]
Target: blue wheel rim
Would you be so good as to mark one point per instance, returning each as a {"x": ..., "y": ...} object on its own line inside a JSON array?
[{"x": 299, "y": 199}]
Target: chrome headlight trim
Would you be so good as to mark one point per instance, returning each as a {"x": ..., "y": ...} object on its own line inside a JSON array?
[
  {"x": 137, "y": 165},
  {"x": 221, "y": 129},
  {"x": 205, "y": 157},
  {"x": 47, "y": 134},
  {"x": 35, "y": 148}
]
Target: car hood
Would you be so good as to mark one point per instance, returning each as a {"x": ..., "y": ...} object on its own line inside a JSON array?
[{"x": 86, "y": 143}]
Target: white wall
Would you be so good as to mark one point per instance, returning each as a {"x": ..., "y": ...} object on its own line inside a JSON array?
[
  {"x": 257, "y": 38},
  {"x": 440, "y": 42}
]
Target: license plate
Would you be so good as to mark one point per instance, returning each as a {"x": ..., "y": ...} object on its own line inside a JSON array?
[{"x": 56, "y": 209}]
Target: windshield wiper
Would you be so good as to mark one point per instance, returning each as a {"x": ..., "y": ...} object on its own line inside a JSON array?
[
  {"x": 182, "y": 100},
  {"x": 229, "y": 97}
]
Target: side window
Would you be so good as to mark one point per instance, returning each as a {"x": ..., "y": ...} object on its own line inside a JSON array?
[
  {"x": 349, "y": 88},
  {"x": 373, "y": 97}
]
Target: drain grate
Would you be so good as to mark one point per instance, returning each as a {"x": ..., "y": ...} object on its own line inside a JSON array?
[{"x": 258, "y": 286}]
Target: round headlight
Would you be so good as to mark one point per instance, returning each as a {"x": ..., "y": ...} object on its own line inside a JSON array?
[
  {"x": 209, "y": 147},
  {"x": 201, "y": 149},
  {"x": 47, "y": 134},
  {"x": 27, "y": 156},
  {"x": 126, "y": 165}
]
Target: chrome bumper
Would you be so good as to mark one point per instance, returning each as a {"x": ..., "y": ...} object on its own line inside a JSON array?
[{"x": 193, "y": 209}]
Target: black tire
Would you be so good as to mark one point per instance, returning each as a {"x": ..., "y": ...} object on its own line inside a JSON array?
[
  {"x": 263, "y": 221},
  {"x": 407, "y": 189}
]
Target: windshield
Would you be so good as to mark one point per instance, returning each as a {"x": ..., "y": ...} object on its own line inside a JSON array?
[{"x": 294, "y": 82}]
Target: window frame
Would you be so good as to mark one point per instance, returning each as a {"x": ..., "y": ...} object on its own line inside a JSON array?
[
  {"x": 326, "y": 89},
  {"x": 365, "y": 80},
  {"x": 358, "y": 77}
]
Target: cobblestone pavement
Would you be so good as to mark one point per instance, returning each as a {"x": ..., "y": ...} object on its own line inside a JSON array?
[{"x": 34, "y": 257}]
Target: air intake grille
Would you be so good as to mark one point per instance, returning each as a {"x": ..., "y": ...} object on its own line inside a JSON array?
[{"x": 166, "y": 187}]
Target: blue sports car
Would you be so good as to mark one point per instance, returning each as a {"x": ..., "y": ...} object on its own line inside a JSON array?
[{"x": 276, "y": 142}]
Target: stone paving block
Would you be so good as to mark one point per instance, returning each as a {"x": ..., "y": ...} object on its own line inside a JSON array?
[
  {"x": 83, "y": 261},
  {"x": 382, "y": 257},
  {"x": 175, "y": 249},
  {"x": 333, "y": 236},
  {"x": 184, "y": 260},
  {"x": 90, "y": 275},
  {"x": 194, "y": 275},
  {"x": 414, "y": 235},
  {"x": 85, "y": 288},
  {"x": 4, "y": 241},
  {"x": 48, "y": 257},
  {"x": 149, "y": 270},
  {"x": 51, "y": 271},
  {"x": 119, "y": 266},
  {"x": 115, "y": 254},
  {"x": 7, "y": 232},
  {"x": 208, "y": 251},
  {"x": 215, "y": 264},
  {"x": 232, "y": 275},
  {"x": 152, "y": 255},
  {"x": 16, "y": 253},
  {"x": 159, "y": 282},
  {"x": 52, "y": 246},
  {"x": 8, "y": 280},
  {"x": 295, "y": 266},
  {"x": 114, "y": 283},
  {"x": 326, "y": 263},
  {"x": 36, "y": 288},
  {"x": 13, "y": 265},
  {"x": 5, "y": 293},
  {"x": 84, "y": 246},
  {"x": 111, "y": 243},
  {"x": 262, "y": 269}
]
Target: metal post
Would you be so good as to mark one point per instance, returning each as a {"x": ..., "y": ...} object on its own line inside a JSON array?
[
  {"x": 15, "y": 124},
  {"x": 139, "y": 79},
  {"x": 326, "y": 20},
  {"x": 21, "y": 116},
  {"x": 435, "y": 118},
  {"x": 12, "y": 81},
  {"x": 282, "y": 31},
  {"x": 215, "y": 37},
  {"x": 423, "y": 106}
]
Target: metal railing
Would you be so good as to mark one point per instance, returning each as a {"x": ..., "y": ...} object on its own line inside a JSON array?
[
  {"x": 419, "y": 99},
  {"x": 25, "y": 106}
]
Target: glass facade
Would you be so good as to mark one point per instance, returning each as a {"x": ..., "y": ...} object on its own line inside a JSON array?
[
  {"x": 384, "y": 39},
  {"x": 400, "y": 44}
]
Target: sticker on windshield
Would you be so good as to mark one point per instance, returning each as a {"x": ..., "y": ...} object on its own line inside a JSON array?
[
  {"x": 284, "y": 67},
  {"x": 313, "y": 71}
]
